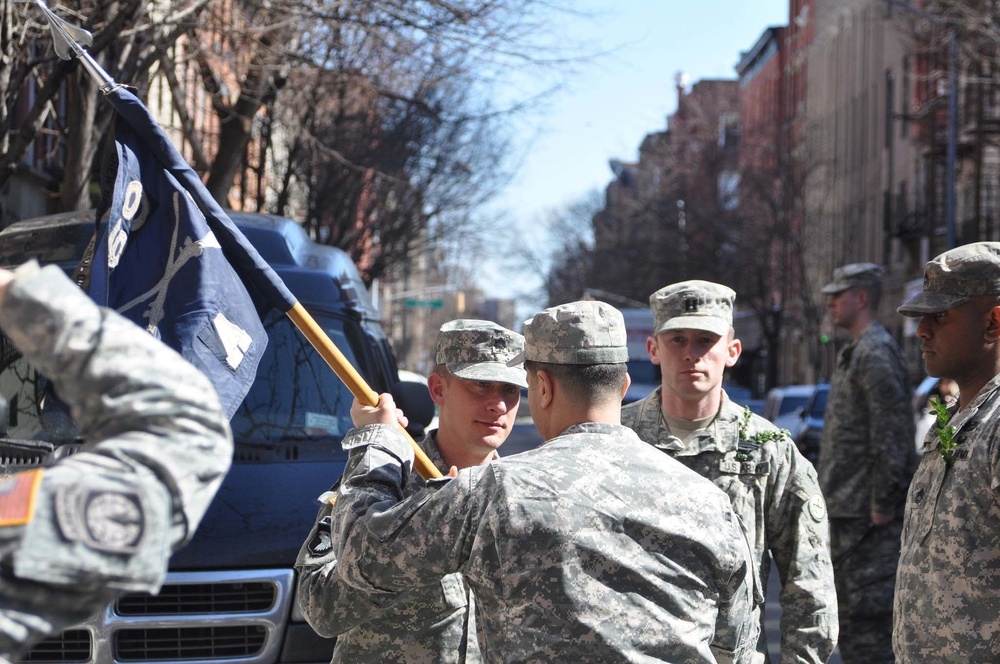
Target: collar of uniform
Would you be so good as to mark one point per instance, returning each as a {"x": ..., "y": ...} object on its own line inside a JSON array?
[
  {"x": 429, "y": 445},
  {"x": 963, "y": 416},
  {"x": 595, "y": 427},
  {"x": 720, "y": 436},
  {"x": 873, "y": 329}
]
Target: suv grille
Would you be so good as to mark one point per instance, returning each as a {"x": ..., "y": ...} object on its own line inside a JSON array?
[
  {"x": 73, "y": 645},
  {"x": 197, "y": 617},
  {"x": 201, "y": 598},
  {"x": 142, "y": 645}
]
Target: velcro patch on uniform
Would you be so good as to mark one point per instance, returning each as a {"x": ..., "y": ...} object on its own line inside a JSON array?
[
  {"x": 817, "y": 507},
  {"x": 321, "y": 543},
  {"x": 17, "y": 497},
  {"x": 112, "y": 521}
]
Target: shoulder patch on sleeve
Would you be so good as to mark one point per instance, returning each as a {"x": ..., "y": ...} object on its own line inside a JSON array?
[
  {"x": 17, "y": 497},
  {"x": 817, "y": 507},
  {"x": 321, "y": 543},
  {"x": 105, "y": 520}
]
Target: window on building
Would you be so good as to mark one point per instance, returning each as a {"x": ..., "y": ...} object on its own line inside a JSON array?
[
  {"x": 729, "y": 131},
  {"x": 729, "y": 190}
]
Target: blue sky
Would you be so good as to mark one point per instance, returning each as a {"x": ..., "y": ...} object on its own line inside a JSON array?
[{"x": 603, "y": 107}]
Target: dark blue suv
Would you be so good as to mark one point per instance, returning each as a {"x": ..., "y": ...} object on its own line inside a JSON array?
[{"x": 230, "y": 593}]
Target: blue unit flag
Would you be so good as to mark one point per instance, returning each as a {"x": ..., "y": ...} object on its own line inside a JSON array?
[{"x": 171, "y": 260}]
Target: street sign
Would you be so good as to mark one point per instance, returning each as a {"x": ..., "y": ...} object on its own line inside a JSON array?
[{"x": 413, "y": 303}]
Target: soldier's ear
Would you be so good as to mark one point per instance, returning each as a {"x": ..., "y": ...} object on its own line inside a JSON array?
[
  {"x": 652, "y": 349},
  {"x": 436, "y": 387},
  {"x": 733, "y": 352},
  {"x": 992, "y": 332},
  {"x": 545, "y": 386}
]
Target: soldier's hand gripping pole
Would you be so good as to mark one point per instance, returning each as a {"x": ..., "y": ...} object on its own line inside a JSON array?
[{"x": 352, "y": 379}]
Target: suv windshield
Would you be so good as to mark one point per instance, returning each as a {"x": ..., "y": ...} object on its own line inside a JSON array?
[{"x": 296, "y": 396}]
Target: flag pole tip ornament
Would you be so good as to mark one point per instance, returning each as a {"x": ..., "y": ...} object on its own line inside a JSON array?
[{"x": 68, "y": 41}]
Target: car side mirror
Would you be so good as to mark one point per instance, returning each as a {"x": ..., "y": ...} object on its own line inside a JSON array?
[{"x": 4, "y": 416}]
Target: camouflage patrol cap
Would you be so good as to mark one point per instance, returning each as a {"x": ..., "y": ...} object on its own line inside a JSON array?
[
  {"x": 955, "y": 277},
  {"x": 853, "y": 275},
  {"x": 693, "y": 305},
  {"x": 480, "y": 350},
  {"x": 586, "y": 332}
]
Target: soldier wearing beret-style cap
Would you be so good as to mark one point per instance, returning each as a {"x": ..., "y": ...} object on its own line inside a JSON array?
[
  {"x": 476, "y": 385},
  {"x": 771, "y": 486},
  {"x": 593, "y": 548},
  {"x": 866, "y": 461},
  {"x": 947, "y": 609}
]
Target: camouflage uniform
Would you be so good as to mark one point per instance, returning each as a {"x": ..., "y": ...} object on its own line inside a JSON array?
[
  {"x": 593, "y": 547},
  {"x": 770, "y": 484},
  {"x": 429, "y": 623},
  {"x": 103, "y": 521},
  {"x": 947, "y": 603},
  {"x": 432, "y": 624},
  {"x": 867, "y": 458},
  {"x": 774, "y": 492},
  {"x": 947, "y": 606}
]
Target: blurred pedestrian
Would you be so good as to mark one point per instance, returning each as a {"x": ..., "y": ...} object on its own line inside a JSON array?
[
  {"x": 477, "y": 395},
  {"x": 591, "y": 548},
  {"x": 771, "y": 485},
  {"x": 866, "y": 460},
  {"x": 947, "y": 608},
  {"x": 101, "y": 522}
]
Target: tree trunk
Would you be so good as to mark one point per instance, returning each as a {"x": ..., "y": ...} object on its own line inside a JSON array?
[{"x": 82, "y": 139}]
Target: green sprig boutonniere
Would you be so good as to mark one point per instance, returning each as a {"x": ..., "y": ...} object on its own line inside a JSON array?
[
  {"x": 944, "y": 431},
  {"x": 760, "y": 436}
]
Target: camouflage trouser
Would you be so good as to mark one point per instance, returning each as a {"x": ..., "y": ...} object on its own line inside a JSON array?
[{"x": 865, "y": 559}]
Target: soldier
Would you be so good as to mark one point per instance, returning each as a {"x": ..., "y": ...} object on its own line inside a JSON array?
[
  {"x": 947, "y": 608},
  {"x": 102, "y": 522},
  {"x": 477, "y": 395},
  {"x": 866, "y": 460},
  {"x": 771, "y": 485},
  {"x": 591, "y": 548}
]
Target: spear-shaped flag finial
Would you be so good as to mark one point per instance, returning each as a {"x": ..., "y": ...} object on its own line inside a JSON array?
[{"x": 68, "y": 40}]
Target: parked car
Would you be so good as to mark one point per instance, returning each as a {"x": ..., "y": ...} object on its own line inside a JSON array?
[
  {"x": 229, "y": 594},
  {"x": 784, "y": 405},
  {"x": 644, "y": 374},
  {"x": 409, "y": 395},
  {"x": 809, "y": 430},
  {"x": 743, "y": 396},
  {"x": 645, "y": 378}
]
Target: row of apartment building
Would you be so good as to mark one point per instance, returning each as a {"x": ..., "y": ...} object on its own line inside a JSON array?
[{"x": 860, "y": 131}]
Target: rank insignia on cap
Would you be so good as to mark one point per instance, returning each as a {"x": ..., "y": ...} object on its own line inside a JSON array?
[
  {"x": 17, "y": 497},
  {"x": 691, "y": 304}
]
